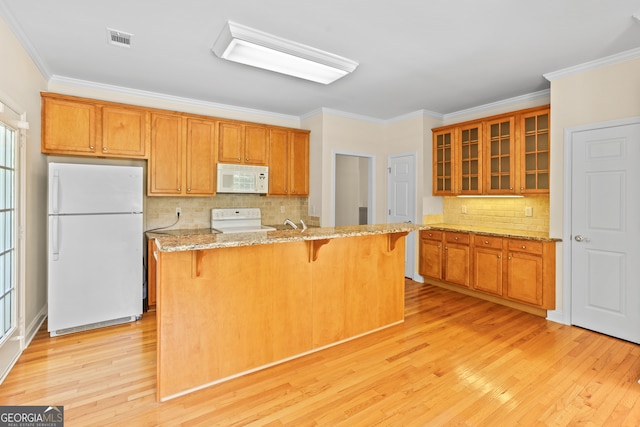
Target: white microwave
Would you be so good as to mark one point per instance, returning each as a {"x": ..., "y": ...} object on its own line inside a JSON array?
[{"x": 242, "y": 179}]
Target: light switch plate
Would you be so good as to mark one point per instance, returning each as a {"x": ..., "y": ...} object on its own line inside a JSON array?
[{"x": 528, "y": 211}]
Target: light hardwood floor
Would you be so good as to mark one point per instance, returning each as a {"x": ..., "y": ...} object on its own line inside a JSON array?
[{"x": 456, "y": 360}]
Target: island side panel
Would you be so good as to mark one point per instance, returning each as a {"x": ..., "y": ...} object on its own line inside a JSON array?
[
  {"x": 245, "y": 309},
  {"x": 358, "y": 286}
]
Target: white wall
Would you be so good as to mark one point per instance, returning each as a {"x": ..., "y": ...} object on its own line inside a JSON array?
[
  {"x": 598, "y": 95},
  {"x": 20, "y": 86}
]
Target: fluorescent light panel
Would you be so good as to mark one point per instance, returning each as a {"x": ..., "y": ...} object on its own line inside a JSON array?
[{"x": 252, "y": 47}]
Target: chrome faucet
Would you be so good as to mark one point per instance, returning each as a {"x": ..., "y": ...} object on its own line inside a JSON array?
[
  {"x": 291, "y": 223},
  {"x": 304, "y": 226}
]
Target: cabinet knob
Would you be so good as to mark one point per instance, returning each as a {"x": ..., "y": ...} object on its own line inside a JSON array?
[
  {"x": 446, "y": 248},
  {"x": 246, "y": 158},
  {"x": 524, "y": 247},
  {"x": 179, "y": 189},
  {"x": 486, "y": 242},
  {"x": 238, "y": 158},
  {"x": 188, "y": 190},
  {"x": 455, "y": 238},
  {"x": 293, "y": 191},
  {"x": 91, "y": 147},
  {"x": 499, "y": 256},
  {"x": 438, "y": 246},
  {"x": 521, "y": 188},
  {"x": 104, "y": 148}
]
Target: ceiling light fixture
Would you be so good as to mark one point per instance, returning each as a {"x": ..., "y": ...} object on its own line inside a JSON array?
[{"x": 248, "y": 46}]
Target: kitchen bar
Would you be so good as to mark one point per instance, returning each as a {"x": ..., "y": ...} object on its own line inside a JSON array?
[{"x": 231, "y": 304}]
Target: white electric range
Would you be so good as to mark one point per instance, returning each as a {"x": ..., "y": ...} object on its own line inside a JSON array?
[{"x": 238, "y": 220}]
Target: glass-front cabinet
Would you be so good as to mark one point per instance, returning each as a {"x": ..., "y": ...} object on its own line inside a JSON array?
[
  {"x": 470, "y": 159},
  {"x": 498, "y": 155},
  {"x": 443, "y": 155},
  {"x": 534, "y": 159}
]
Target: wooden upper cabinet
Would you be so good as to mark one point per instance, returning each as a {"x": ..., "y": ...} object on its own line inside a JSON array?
[
  {"x": 443, "y": 161},
  {"x": 288, "y": 162},
  {"x": 242, "y": 143},
  {"x": 124, "y": 131},
  {"x": 200, "y": 157},
  {"x": 504, "y": 154},
  {"x": 166, "y": 160},
  {"x": 68, "y": 126},
  {"x": 500, "y": 155},
  {"x": 534, "y": 152},
  {"x": 469, "y": 158},
  {"x": 79, "y": 126},
  {"x": 299, "y": 162}
]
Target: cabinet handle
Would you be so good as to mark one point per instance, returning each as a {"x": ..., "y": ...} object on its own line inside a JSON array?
[
  {"x": 438, "y": 246},
  {"x": 293, "y": 191},
  {"x": 499, "y": 256},
  {"x": 455, "y": 238},
  {"x": 188, "y": 190},
  {"x": 238, "y": 158},
  {"x": 524, "y": 247},
  {"x": 246, "y": 158},
  {"x": 91, "y": 147},
  {"x": 521, "y": 188},
  {"x": 486, "y": 242},
  {"x": 104, "y": 148},
  {"x": 179, "y": 189},
  {"x": 446, "y": 248}
]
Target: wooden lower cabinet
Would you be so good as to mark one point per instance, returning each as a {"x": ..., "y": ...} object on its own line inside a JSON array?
[
  {"x": 430, "y": 264},
  {"x": 488, "y": 264},
  {"x": 518, "y": 270},
  {"x": 531, "y": 272},
  {"x": 456, "y": 258}
]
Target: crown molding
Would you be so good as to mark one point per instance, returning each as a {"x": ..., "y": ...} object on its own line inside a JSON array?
[
  {"x": 169, "y": 98},
  {"x": 506, "y": 103},
  {"x": 344, "y": 114},
  {"x": 592, "y": 65}
]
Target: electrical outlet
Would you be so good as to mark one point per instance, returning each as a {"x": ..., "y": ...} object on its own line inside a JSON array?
[
  {"x": 281, "y": 209},
  {"x": 528, "y": 211},
  {"x": 178, "y": 211},
  {"x": 464, "y": 209}
]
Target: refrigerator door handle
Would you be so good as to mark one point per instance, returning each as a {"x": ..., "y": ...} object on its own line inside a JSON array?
[
  {"x": 54, "y": 190},
  {"x": 55, "y": 238}
]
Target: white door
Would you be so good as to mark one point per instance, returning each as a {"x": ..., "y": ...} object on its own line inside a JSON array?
[
  {"x": 401, "y": 190},
  {"x": 605, "y": 231}
]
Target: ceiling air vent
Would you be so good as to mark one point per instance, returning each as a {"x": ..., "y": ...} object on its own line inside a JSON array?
[{"x": 119, "y": 38}]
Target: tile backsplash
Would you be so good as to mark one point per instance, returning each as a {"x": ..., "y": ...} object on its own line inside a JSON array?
[
  {"x": 196, "y": 211},
  {"x": 496, "y": 212}
]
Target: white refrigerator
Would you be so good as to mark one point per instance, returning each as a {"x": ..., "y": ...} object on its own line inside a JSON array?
[{"x": 95, "y": 246}]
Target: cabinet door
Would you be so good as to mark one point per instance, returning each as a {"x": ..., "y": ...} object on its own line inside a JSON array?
[
  {"x": 535, "y": 152},
  {"x": 488, "y": 271},
  {"x": 124, "y": 132},
  {"x": 200, "y": 157},
  {"x": 456, "y": 264},
  {"x": 443, "y": 178},
  {"x": 68, "y": 127},
  {"x": 299, "y": 163},
  {"x": 525, "y": 278},
  {"x": 255, "y": 145},
  {"x": 469, "y": 163},
  {"x": 278, "y": 162},
  {"x": 230, "y": 145},
  {"x": 431, "y": 258},
  {"x": 165, "y": 161},
  {"x": 500, "y": 156}
]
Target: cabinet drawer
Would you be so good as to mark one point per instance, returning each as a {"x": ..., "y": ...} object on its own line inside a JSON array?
[
  {"x": 488, "y": 242},
  {"x": 431, "y": 234},
  {"x": 454, "y": 237},
  {"x": 528, "y": 246}
]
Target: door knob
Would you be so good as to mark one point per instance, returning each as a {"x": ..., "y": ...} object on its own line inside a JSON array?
[{"x": 580, "y": 238}]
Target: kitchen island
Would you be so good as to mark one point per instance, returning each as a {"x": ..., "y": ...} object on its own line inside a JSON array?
[{"x": 231, "y": 304}]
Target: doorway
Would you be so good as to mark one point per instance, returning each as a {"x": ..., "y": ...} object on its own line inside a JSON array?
[
  {"x": 604, "y": 240},
  {"x": 353, "y": 186}
]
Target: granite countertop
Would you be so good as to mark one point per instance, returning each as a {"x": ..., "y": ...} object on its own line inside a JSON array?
[
  {"x": 501, "y": 232},
  {"x": 198, "y": 239}
]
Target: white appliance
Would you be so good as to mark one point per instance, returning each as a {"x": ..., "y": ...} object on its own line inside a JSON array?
[
  {"x": 242, "y": 179},
  {"x": 95, "y": 241},
  {"x": 241, "y": 220}
]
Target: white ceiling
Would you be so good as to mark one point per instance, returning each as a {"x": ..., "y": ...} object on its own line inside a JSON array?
[{"x": 441, "y": 56}]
